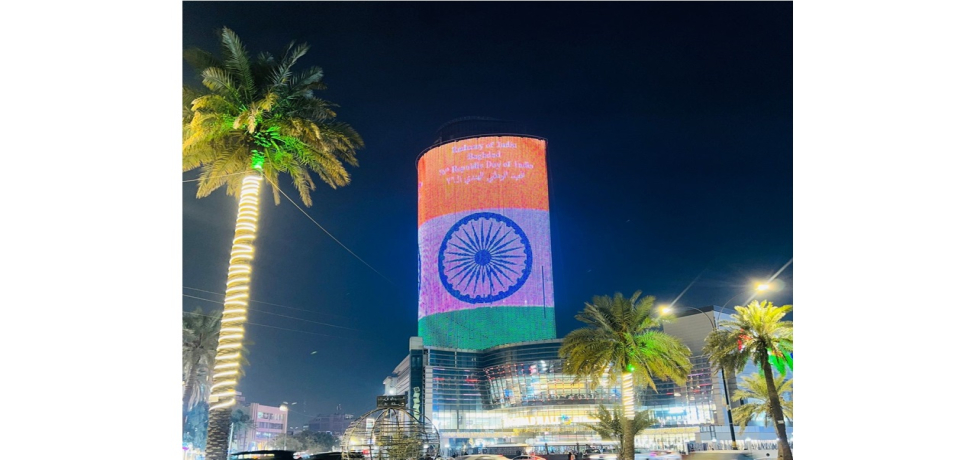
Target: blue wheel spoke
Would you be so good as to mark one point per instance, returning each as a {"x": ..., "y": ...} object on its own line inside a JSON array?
[
  {"x": 490, "y": 275},
  {"x": 482, "y": 236},
  {"x": 461, "y": 259},
  {"x": 505, "y": 262},
  {"x": 483, "y": 273},
  {"x": 461, "y": 248},
  {"x": 471, "y": 276},
  {"x": 508, "y": 269},
  {"x": 472, "y": 241},
  {"x": 500, "y": 243},
  {"x": 462, "y": 269},
  {"x": 497, "y": 274},
  {"x": 493, "y": 239}
]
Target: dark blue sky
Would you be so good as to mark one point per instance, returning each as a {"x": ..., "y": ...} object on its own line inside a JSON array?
[{"x": 669, "y": 129}]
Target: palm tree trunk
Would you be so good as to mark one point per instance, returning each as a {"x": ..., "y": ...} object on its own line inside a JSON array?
[
  {"x": 232, "y": 333},
  {"x": 784, "y": 452},
  {"x": 219, "y": 426},
  {"x": 627, "y": 453},
  {"x": 628, "y": 415}
]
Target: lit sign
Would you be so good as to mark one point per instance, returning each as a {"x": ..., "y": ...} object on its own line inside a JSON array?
[
  {"x": 485, "y": 243},
  {"x": 516, "y": 421},
  {"x": 392, "y": 401}
]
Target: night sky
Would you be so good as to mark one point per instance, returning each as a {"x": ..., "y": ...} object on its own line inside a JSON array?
[{"x": 670, "y": 149}]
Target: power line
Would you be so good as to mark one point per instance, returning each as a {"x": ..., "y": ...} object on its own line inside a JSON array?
[
  {"x": 266, "y": 303},
  {"x": 286, "y": 329},
  {"x": 331, "y": 236},
  {"x": 277, "y": 314}
]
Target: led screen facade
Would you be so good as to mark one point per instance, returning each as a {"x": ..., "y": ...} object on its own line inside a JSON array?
[{"x": 485, "y": 274}]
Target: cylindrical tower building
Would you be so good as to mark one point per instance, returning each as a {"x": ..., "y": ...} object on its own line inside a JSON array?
[{"x": 485, "y": 274}]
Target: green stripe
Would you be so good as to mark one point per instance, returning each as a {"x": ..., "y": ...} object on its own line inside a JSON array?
[{"x": 480, "y": 328}]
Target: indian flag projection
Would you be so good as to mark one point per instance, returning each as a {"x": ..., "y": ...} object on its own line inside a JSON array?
[{"x": 485, "y": 274}]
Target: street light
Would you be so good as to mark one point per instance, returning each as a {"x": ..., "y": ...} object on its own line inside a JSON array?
[{"x": 724, "y": 382}]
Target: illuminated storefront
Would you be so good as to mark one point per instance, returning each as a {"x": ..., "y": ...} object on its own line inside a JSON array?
[{"x": 517, "y": 394}]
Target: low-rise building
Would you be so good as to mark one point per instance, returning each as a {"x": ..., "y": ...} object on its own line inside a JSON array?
[{"x": 270, "y": 423}]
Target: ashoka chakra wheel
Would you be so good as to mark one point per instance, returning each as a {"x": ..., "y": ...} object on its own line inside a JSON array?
[{"x": 484, "y": 257}]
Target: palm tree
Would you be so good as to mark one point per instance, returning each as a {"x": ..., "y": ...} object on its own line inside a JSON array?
[
  {"x": 753, "y": 389},
  {"x": 258, "y": 119},
  {"x": 196, "y": 426},
  {"x": 610, "y": 424},
  {"x": 241, "y": 423},
  {"x": 621, "y": 342},
  {"x": 757, "y": 333},
  {"x": 199, "y": 348}
]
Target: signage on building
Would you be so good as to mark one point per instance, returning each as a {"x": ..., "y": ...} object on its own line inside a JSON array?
[
  {"x": 416, "y": 401},
  {"x": 392, "y": 401},
  {"x": 484, "y": 237}
]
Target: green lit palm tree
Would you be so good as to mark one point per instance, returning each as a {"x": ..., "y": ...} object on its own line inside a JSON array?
[
  {"x": 622, "y": 342},
  {"x": 753, "y": 389},
  {"x": 257, "y": 119},
  {"x": 756, "y": 333},
  {"x": 610, "y": 424}
]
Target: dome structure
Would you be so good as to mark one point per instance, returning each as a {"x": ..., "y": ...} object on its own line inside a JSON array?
[{"x": 390, "y": 433}]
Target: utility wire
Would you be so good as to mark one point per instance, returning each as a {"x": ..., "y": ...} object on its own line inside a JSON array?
[
  {"x": 286, "y": 329},
  {"x": 331, "y": 236},
  {"x": 267, "y": 303},
  {"x": 277, "y": 314}
]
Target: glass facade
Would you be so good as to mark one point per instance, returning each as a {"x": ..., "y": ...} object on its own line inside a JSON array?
[{"x": 518, "y": 394}]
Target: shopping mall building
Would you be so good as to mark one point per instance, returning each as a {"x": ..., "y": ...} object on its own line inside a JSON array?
[{"x": 484, "y": 367}]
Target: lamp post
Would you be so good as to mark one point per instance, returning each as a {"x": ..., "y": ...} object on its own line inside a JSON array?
[
  {"x": 283, "y": 407},
  {"x": 724, "y": 383},
  {"x": 724, "y": 380}
]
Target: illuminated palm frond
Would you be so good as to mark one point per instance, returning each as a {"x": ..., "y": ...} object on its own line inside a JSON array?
[
  {"x": 757, "y": 333},
  {"x": 622, "y": 334},
  {"x": 262, "y": 114},
  {"x": 752, "y": 334},
  {"x": 753, "y": 389},
  {"x": 610, "y": 425}
]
